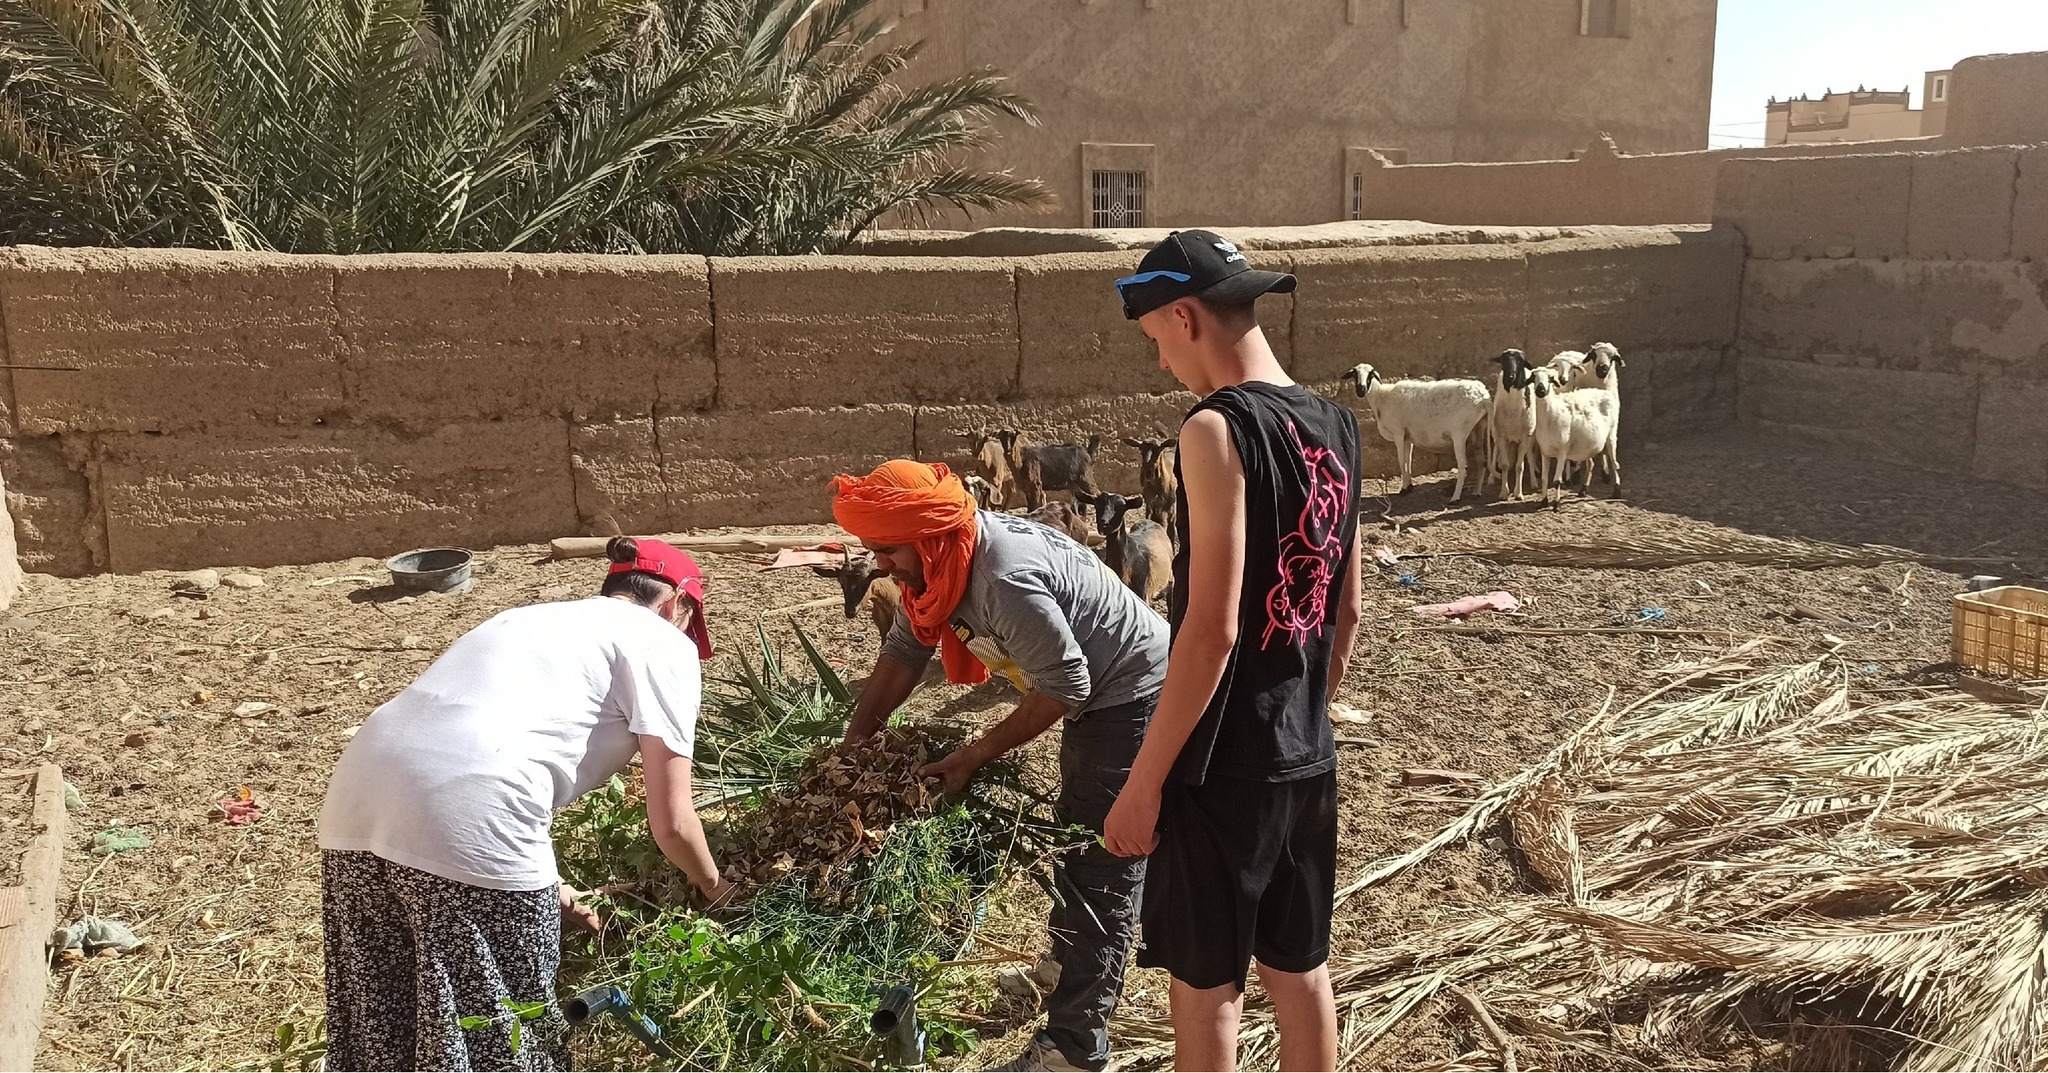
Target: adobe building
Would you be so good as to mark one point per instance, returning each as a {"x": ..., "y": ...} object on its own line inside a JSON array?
[
  {"x": 1860, "y": 115},
  {"x": 1998, "y": 99},
  {"x": 1251, "y": 112}
]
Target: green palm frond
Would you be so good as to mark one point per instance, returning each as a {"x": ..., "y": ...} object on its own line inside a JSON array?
[{"x": 706, "y": 126}]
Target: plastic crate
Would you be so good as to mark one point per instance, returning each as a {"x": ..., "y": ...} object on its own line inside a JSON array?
[{"x": 2003, "y": 631}]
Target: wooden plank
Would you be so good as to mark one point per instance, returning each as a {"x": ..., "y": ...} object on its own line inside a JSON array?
[
  {"x": 718, "y": 543},
  {"x": 13, "y": 906},
  {"x": 24, "y": 950}
]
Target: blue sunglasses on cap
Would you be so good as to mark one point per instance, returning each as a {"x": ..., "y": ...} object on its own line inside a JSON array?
[{"x": 1146, "y": 277}]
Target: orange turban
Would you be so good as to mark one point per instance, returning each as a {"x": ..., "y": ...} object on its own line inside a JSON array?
[{"x": 926, "y": 507}]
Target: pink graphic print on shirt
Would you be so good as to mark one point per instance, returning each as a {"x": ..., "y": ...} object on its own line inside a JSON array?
[{"x": 1309, "y": 556}]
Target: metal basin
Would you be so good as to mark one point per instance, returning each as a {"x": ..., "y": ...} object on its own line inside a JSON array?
[{"x": 431, "y": 570}]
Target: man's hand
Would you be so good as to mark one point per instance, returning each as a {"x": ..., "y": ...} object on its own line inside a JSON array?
[
  {"x": 956, "y": 770},
  {"x": 576, "y": 914},
  {"x": 1132, "y": 829}
]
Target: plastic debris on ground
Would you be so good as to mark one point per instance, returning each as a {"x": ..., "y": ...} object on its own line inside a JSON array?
[
  {"x": 73, "y": 800},
  {"x": 1650, "y": 614},
  {"x": 815, "y": 555},
  {"x": 1341, "y": 712},
  {"x": 240, "y": 808},
  {"x": 93, "y": 937},
  {"x": 1492, "y": 601},
  {"x": 119, "y": 840}
]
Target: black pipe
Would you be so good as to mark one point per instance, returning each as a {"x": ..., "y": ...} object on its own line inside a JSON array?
[{"x": 895, "y": 1019}]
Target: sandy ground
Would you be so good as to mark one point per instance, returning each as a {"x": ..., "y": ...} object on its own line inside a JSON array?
[{"x": 158, "y": 705}]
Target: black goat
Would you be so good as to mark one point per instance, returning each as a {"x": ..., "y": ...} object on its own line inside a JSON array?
[{"x": 1142, "y": 555}]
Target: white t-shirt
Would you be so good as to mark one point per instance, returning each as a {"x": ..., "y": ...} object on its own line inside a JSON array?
[{"x": 460, "y": 774}]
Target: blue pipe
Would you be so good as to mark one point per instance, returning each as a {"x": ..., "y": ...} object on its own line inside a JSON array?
[{"x": 599, "y": 1001}]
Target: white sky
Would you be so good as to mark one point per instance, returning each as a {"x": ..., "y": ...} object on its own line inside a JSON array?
[{"x": 1788, "y": 47}]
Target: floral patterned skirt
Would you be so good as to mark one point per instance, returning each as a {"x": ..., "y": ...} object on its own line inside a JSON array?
[{"x": 411, "y": 957}]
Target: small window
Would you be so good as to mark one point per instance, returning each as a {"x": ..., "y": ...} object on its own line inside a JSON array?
[
  {"x": 1603, "y": 18},
  {"x": 1357, "y": 195},
  {"x": 1940, "y": 90},
  {"x": 1118, "y": 198}
]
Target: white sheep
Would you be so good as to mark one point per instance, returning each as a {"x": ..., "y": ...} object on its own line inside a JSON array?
[
  {"x": 1511, "y": 424},
  {"x": 1435, "y": 415},
  {"x": 1566, "y": 364},
  {"x": 1574, "y": 426},
  {"x": 1601, "y": 371}
]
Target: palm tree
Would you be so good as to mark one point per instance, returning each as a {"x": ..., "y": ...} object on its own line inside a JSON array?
[{"x": 349, "y": 126}]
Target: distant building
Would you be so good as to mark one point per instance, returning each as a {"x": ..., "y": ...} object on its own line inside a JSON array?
[
  {"x": 1254, "y": 112},
  {"x": 1861, "y": 115}
]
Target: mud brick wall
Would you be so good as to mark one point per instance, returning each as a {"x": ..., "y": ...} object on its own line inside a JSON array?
[
  {"x": 1897, "y": 305},
  {"x": 251, "y": 409}
]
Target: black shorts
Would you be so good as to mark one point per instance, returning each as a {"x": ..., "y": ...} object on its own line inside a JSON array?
[{"x": 1243, "y": 870}]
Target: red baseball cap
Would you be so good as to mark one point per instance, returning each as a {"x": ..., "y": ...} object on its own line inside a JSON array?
[{"x": 673, "y": 565}]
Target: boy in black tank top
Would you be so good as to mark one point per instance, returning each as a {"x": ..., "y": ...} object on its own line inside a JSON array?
[{"x": 1234, "y": 792}]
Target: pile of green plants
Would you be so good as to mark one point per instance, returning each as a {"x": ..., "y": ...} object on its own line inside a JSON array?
[{"x": 840, "y": 904}]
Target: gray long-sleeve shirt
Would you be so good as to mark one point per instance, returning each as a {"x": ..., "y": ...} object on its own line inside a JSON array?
[{"x": 1047, "y": 604}]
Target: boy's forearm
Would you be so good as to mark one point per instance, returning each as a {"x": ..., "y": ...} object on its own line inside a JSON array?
[
  {"x": 1340, "y": 652},
  {"x": 1193, "y": 671}
]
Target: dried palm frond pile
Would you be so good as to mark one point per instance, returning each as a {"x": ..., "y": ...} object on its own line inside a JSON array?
[
  {"x": 1681, "y": 547},
  {"x": 839, "y": 809},
  {"x": 1749, "y": 852}
]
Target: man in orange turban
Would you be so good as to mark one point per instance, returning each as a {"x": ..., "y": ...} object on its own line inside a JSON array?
[{"x": 1093, "y": 654}]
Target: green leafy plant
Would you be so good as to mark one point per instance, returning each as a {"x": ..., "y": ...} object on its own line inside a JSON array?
[
  {"x": 522, "y": 1012},
  {"x": 301, "y": 1047},
  {"x": 787, "y": 979}
]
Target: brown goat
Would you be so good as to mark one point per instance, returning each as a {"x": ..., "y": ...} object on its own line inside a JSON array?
[
  {"x": 992, "y": 456},
  {"x": 1141, "y": 555},
  {"x": 865, "y": 587},
  {"x": 983, "y": 492},
  {"x": 1062, "y": 517},
  {"x": 1155, "y": 476}
]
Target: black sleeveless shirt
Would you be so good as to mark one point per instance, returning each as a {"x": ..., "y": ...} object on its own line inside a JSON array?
[{"x": 1268, "y": 721}]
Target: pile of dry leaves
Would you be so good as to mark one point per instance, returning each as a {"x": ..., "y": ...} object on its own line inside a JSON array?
[{"x": 839, "y": 809}]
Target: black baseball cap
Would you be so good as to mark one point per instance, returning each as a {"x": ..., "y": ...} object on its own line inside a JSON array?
[{"x": 1196, "y": 264}]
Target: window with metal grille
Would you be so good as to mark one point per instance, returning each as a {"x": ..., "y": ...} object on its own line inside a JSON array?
[
  {"x": 1118, "y": 198},
  {"x": 1357, "y": 195}
]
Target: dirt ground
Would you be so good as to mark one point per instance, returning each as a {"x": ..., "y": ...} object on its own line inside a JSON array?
[{"x": 158, "y": 705}]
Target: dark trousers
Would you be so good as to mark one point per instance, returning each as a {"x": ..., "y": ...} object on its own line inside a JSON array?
[{"x": 1096, "y": 916}]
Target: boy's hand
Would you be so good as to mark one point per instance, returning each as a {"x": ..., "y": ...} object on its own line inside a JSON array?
[{"x": 1132, "y": 829}]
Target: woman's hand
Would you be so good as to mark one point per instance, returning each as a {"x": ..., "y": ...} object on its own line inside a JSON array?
[
  {"x": 575, "y": 913},
  {"x": 720, "y": 895}
]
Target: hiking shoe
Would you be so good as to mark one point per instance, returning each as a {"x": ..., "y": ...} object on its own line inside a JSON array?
[
  {"x": 1043, "y": 1054},
  {"x": 1032, "y": 982}
]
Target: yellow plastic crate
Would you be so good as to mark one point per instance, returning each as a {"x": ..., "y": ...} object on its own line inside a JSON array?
[{"x": 2003, "y": 631}]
